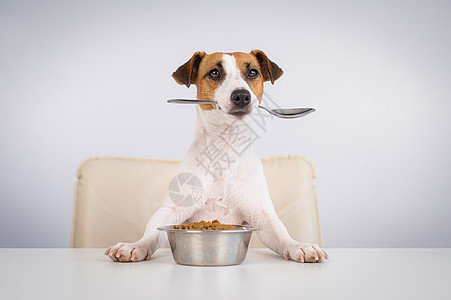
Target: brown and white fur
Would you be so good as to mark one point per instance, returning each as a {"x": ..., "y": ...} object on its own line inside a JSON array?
[{"x": 239, "y": 193}]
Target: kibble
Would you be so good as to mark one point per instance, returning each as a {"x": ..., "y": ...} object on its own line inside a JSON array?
[{"x": 207, "y": 225}]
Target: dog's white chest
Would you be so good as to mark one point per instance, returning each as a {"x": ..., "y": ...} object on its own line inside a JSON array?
[{"x": 215, "y": 206}]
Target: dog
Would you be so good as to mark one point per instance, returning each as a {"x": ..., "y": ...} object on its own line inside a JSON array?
[{"x": 234, "y": 191}]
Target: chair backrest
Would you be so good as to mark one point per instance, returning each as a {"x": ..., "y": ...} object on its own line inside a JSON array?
[{"x": 115, "y": 197}]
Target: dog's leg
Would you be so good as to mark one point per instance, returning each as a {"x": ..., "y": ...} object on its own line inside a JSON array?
[
  {"x": 274, "y": 235},
  {"x": 169, "y": 213},
  {"x": 149, "y": 243},
  {"x": 259, "y": 212}
]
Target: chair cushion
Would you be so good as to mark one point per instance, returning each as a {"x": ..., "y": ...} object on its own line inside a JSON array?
[{"x": 115, "y": 197}]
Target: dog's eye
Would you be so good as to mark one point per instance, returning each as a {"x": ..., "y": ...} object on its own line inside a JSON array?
[
  {"x": 252, "y": 73},
  {"x": 215, "y": 74}
]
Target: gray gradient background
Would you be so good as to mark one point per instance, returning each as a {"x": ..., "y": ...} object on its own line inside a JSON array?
[{"x": 84, "y": 78}]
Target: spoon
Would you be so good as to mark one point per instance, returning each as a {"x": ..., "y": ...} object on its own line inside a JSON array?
[{"x": 284, "y": 113}]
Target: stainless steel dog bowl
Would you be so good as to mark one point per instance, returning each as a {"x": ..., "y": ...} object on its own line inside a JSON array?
[{"x": 209, "y": 247}]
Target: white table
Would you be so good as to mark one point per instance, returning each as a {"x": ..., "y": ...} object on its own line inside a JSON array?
[{"x": 349, "y": 274}]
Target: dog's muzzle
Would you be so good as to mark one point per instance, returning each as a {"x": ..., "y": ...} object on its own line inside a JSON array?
[{"x": 240, "y": 99}]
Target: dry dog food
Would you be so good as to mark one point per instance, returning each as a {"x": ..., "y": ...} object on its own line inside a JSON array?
[{"x": 203, "y": 225}]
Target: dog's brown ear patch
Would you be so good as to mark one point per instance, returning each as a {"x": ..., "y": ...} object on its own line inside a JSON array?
[
  {"x": 187, "y": 73},
  {"x": 270, "y": 71}
]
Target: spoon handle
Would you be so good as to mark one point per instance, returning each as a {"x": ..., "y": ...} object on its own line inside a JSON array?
[
  {"x": 191, "y": 101},
  {"x": 268, "y": 110},
  {"x": 284, "y": 113}
]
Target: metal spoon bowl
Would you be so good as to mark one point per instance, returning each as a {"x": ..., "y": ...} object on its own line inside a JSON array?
[{"x": 284, "y": 113}]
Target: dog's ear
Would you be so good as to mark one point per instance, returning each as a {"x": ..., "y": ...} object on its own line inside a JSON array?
[
  {"x": 187, "y": 73},
  {"x": 270, "y": 70}
]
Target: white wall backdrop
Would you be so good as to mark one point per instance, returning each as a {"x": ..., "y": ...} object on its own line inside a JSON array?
[{"x": 86, "y": 78}]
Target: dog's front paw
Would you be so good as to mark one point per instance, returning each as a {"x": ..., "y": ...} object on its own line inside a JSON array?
[
  {"x": 127, "y": 252},
  {"x": 304, "y": 252}
]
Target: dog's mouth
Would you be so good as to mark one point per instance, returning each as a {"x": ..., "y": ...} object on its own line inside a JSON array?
[{"x": 238, "y": 113}]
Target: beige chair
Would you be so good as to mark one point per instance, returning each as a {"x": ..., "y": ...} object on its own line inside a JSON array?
[{"x": 115, "y": 197}]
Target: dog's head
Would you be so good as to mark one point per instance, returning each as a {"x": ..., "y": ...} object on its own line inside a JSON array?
[{"x": 233, "y": 80}]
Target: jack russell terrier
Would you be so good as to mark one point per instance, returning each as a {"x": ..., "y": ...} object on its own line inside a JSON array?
[{"x": 234, "y": 192}]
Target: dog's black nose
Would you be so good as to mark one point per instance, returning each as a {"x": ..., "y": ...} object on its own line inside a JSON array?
[{"x": 241, "y": 97}]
